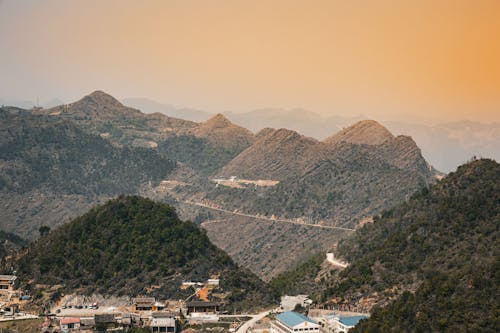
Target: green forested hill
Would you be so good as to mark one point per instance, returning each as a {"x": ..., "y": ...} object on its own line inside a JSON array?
[
  {"x": 128, "y": 245},
  {"x": 440, "y": 250}
]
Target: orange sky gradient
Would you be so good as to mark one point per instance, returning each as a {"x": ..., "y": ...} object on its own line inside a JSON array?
[{"x": 403, "y": 59}]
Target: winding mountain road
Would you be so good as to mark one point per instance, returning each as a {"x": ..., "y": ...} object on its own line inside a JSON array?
[{"x": 263, "y": 218}]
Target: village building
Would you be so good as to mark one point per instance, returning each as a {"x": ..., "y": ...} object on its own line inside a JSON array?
[
  {"x": 130, "y": 319},
  {"x": 200, "y": 311},
  {"x": 342, "y": 324},
  {"x": 105, "y": 321},
  {"x": 147, "y": 304},
  {"x": 203, "y": 307},
  {"x": 69, "y": 323},
  {"x": 7, "y": 284},
  {"x": 163, "y": 322},
  {"x": 291, "y": 322}
]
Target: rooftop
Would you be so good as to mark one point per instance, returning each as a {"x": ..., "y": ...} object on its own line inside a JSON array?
[
  {"x": 163, "y": 322},
  {"x": 202, "y": 303},
  {"x": 351, "y": 321},
  {"x": 291, "y": 318},
  {"x": 69, "y": 320},
  {"x": 8, "y": 277},
  {"x": 144, "y": 300}
]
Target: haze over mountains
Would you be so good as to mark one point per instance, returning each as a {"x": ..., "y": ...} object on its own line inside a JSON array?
[{"x": 444, "y": 144}]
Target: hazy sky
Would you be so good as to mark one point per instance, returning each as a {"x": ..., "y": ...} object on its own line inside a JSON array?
[{"x": 411, "y": 58}]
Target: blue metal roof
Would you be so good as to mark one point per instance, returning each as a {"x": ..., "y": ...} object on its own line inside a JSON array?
[
  {"x": 291, "y": 318},
  {"x": 351, "y": 321}
]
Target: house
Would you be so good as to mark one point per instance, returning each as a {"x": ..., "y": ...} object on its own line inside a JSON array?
[
  {"x": 200, "y": 311},
  {"x": 69, "y": 323},
  {"x": 288, "y": 303},
  {"x": 289, "y": 322},
  {"x": 7, "y": 284},
  {"x": 342, "y": 324},
  {"x": 163, "y": 322},
  {"x": 105, "y": 321},
  {"x": 147, "y": 304},
  {"x": 203, "y": 307},
  {"x": 130, "y": 319}
]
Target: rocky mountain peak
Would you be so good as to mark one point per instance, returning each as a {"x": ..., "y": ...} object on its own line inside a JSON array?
[
  {"x": 100, "y": 98},
  {"x": 367, "y": 132},
  {"x": 218, "y": 121}
]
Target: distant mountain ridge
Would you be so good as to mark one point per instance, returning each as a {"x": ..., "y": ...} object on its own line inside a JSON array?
[{"x": 444, "y": 144}]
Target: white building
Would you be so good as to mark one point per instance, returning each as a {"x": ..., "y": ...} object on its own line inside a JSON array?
[{"x": 290, "y": 322}]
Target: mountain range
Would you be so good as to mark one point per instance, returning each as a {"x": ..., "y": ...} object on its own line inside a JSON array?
[
  {"x": 58, "y": 162},
  {"x": 445, "y": 144}
]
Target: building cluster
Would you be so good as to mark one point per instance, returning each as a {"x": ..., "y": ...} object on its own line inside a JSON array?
[
  {"x": 156, "y": 321},
  {"x": 158, "y": 316},
  {"x": 293, "y": 322},
  {"x": 144, "y": 312}
]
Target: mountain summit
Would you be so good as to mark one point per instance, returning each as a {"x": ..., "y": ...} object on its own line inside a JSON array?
[
  {"x": 101, "y": 98},
  {"x": 220, "y": 131},
  {"x": 367, "y": 132},
  {"x": 218, "y": 121}
]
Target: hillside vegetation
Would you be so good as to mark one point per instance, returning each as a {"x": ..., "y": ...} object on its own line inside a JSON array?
[
  {"x": 51, "y": 170},
  {"x": 437, "y": 255},
  {"x": 427, "y": 265},
  {"x": 38, "y": 151},
  {"x": 129, "y": 244}
]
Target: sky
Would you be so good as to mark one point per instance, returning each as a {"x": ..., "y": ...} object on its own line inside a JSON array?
[{"x": 405, "y": 59}]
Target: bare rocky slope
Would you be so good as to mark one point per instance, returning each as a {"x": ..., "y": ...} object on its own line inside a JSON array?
[{"x": 275, "y": 155}]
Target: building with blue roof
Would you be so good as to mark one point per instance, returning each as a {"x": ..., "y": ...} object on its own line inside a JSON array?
[
  {"x": 290, "y": 322},
  {"x": 342, "y": 324}
]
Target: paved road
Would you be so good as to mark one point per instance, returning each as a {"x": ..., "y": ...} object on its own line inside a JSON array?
[{"x": 243, "y": 328}]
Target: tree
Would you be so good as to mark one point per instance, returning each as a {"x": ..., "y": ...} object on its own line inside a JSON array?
[{"x": 44, "y": 230}]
